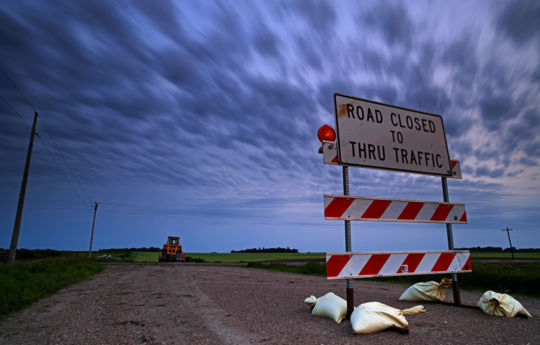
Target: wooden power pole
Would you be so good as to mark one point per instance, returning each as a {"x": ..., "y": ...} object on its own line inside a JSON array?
[
  {"x": 509, "y": 241},
  {"x": 20, "y": 205},
  {"x": 93, "y": 224}
]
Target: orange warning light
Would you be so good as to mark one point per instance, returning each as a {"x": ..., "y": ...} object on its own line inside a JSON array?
[{"x": 326, "y": 133}]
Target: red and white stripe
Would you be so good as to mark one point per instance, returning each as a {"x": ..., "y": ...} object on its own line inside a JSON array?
[
  {"x": 330, "y": 152},
  {"x": 456, "y": 169},
  {"x": 375, "y": 264},
  {"x": 330, "y": 157},
  {"x": 341, "y": 207}
]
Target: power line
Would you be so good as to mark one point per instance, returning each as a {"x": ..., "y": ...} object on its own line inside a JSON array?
[
  {"x": 15, "y": 111},
  {"x": 81, "y": 189},
  {"x": 16, "y": 87},
  {"x": 81, "y": 198},
  {"x": 64, "y": 160}
]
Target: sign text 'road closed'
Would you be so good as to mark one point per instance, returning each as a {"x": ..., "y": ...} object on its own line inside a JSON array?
[{"x": 376, "y": 135}]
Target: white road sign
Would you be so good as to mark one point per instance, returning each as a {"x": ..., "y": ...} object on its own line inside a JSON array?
[{"x": 381, "y": 136}]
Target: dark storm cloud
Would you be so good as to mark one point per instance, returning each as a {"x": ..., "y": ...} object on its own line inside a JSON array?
[
  {"x": 528, "y": 162},
  {"x": 535, "y": 77},
  {"x": 460, "y": 56},
  {"x": 320, "y": 16},
  {"x": 162, "y": 14},
  {"x": 421, "y": 90},
  {"x": 12, "y": 148},
  {"x": 116, "y": 71},
  {"x": 392, "y": 21},
  {"x": 524, "y": 130},
  {"x": 485, "y": 171},
  {"x": 532, "y": 149},
  {"x": 312, "y": 56},
  {"x": 519, "y": 20},
  {"x": 266, "y": 42},
  {"x": 494, "y": 109}
]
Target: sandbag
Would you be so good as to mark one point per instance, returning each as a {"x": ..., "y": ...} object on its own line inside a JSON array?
[
  {"x": 426, "y": 291},
  {"x": 498, "y": 304},
  {"x": 329, "y": 305},
  {"x": 374, "y": 317},
  {"x": 311, "y": 300}
]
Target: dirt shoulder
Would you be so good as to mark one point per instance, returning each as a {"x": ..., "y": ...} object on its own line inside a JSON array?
[{"x": 205, "y": 304}]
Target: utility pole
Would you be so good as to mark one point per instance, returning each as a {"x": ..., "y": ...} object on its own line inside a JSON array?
[
  {"x": 92, "y": 236},
  {"x": 509, "y": 241},
  {"x": 20, "y": 205}
]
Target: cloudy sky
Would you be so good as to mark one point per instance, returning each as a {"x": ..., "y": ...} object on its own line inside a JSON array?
[{"x": 199, "y": 119}]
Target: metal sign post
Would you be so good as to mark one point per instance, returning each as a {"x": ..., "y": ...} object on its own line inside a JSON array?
[
  {"x": 349, "y": 291},
  {"x": 450, "y": 236}
]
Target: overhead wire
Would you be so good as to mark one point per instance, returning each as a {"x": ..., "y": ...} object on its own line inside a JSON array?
[
  {"x": 15, "y": 111},
  {"x": 19, "y": 90},
  {"x": 65, "y": 162},
  {"x": 80, "y": 193},
  {"x": 81, "y": 198}
]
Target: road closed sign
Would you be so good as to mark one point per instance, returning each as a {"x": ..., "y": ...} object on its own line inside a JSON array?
[{"x": 381, "y": 136}]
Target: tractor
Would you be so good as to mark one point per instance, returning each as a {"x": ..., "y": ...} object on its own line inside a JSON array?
[{"x": 172, "y": 251}]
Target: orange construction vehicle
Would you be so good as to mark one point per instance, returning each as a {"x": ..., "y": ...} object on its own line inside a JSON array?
[{"x": 172, "y": 250}]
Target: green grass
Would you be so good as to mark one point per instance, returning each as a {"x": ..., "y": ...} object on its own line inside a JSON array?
[
  {"x": 253, "y": 257},
  {"x": 139, "y": 256},
  {"x": 506, "y": 255},
  {"x": 27, "y": 281},
  {"x": 145, "y": 256},
  {"x": 518, "y": 278},
  {"x": 311, "y": 268}
]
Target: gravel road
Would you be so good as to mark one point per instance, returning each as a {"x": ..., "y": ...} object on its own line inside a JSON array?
[{"x": 210, "y": 304}]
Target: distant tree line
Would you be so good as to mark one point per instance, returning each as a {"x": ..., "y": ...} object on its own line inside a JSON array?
[
  {"x": 499, "y": 249},
  {"x": 267, "y": 250},
  {"x": 23, "y": 253},
  {"x": 141, "y": 249}
]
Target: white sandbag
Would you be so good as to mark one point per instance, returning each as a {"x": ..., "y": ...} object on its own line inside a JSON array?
[
  {"x": 426, "y": 291},
  {"x": 329, "y": 305},
  {"x": 419, "y": 309},
  {"x": 311, "y": 300},
  {"x": 498, "y": 304},
  {"x": 374, "y": 317}
]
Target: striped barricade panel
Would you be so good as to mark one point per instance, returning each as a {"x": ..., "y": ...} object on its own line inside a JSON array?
[
  {"x": 341, "y": 207},
  {"x": 330, "y": 157},
  {"x": 330, "y": 152},
  {"x": 456, "y": 169},
  {"x": 375, "y": 264}
]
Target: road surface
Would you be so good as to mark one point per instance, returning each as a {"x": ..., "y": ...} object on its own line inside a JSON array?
[{"x": 211, "y": 304}]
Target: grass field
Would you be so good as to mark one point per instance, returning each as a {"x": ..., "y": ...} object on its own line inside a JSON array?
[
  {"x": 217, "y": 257},
  {"x": 505, "y": 255},
  {"x": 514, "y": 278},
  {"x": 254, "y": 257},
  {"x": 27, "y": 281}
]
